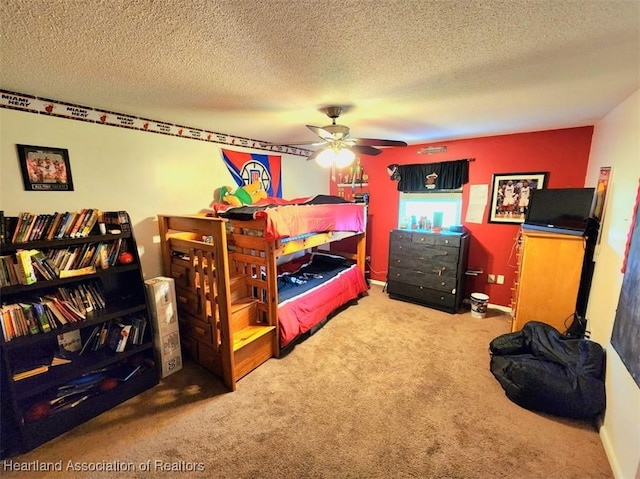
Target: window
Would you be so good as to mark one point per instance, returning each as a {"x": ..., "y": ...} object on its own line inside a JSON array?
[{"x": 429, "y": 210}]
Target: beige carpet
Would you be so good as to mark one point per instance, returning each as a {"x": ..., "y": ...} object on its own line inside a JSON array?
[{"x": 386, "y": 389}]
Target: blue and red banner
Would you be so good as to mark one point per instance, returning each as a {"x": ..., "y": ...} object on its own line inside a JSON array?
[{"x": 249, "y": 167}]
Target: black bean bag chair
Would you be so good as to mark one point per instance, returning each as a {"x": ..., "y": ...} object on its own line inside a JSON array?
[{"x": 542, "y": 370}]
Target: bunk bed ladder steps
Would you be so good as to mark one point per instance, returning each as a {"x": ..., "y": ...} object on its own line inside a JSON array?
[
  {"x": 252, "y": 341},
  {"x": 237, "y": 288}
]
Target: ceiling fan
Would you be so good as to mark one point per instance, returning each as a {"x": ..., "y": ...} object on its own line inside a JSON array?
[{"x": 339, "y": 146}]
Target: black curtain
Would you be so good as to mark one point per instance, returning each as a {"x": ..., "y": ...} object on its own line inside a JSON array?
[{"x": 423, "y": 177}]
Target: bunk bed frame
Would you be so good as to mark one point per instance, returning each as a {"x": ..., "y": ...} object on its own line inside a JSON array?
[{"x": 225, "y": 274}]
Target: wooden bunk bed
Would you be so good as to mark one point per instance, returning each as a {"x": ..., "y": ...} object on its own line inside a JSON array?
[{"x": 226, "y": 272}]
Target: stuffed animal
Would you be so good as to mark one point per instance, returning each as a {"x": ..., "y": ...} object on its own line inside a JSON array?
[{"x": 243, "y": 195}]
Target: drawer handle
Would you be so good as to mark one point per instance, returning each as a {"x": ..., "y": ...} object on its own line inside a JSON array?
[
  {"x": 442, "y": 283},
  {"x": 175, "y": 274},
  {"x": 446, "y": 241},
  {"x": 182, "y": 299},
  {"x": 421, "y": 239},
  {"x": 200, "y": 331}
]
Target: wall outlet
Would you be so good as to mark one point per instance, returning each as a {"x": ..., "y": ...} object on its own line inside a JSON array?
[
  {"x": 500, "y": 279},
  {"x": 491, "y": 278}
]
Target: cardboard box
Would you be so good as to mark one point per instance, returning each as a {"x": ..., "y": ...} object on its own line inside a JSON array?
[{"x": 161, "y": 295}]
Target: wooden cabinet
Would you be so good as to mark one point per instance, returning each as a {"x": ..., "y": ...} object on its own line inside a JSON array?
[
  {"x": 548, "y": 279},
  {"x": 46, "y": 390},
  {"x": 428, "y": 268}
]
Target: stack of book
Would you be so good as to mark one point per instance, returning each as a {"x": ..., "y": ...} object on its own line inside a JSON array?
[
  {"x": 38, "y": 227},
  {"x": 67, "y": 305}
]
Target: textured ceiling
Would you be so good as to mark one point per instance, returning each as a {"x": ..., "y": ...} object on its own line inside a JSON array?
[{"x": 417, "y": 71}]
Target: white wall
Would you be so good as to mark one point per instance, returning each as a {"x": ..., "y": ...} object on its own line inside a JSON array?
[
  {"x": 616, "y": 143},
  {"x": 143, "y": 173}
]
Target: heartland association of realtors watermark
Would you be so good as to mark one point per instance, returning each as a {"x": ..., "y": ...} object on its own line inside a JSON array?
[{"x": 102, "y": 466}]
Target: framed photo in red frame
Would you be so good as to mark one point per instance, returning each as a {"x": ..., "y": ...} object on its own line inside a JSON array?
[{"x": 45, "y": 168}]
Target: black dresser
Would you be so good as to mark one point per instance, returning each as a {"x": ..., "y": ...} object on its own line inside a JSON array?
[{"x": 428, "y": 268}]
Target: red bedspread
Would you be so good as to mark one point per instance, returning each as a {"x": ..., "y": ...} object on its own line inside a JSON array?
[
  {"x": 285, "y": 219},
  {"x": 294, "y": 220},
  {"x": 301, "y": 313}
]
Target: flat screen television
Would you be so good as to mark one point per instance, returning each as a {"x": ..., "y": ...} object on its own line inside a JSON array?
[{"x": 560, "y": 210}]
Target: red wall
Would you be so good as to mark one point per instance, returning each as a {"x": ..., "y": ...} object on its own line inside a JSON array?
[{"x": 563, "y": 154}]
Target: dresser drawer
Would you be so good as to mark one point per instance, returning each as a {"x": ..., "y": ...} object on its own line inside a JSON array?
[
  {"x": 187, "y": 302},
  {"x": 180, "y": 274},
  {"x": 198, "y": 329},
  {"x": 436, "y": 239},
  {"x": 419, "y": 254},
  {"x": 422, "y": 295},
  {"x": 421, "y": 279},
  {"x": 400, "y": 236}
]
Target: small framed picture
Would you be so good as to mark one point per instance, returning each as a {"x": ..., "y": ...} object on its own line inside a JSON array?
[
  {"x": 510, "y": 195},
  {"x": 44, "y": 168}
]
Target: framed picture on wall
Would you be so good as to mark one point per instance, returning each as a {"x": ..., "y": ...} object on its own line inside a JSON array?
[
  {"x": 44, "y": 168},
  {"x": 510, "y": 193}
]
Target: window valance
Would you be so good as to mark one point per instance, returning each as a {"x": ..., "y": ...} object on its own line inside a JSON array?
[{"x": 424, "y": 177}]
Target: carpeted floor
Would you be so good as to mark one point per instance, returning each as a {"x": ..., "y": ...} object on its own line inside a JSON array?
[{"x": 386, "y": 389}]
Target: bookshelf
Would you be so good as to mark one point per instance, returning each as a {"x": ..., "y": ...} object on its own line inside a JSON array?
[{"x": 62, "y": 369}]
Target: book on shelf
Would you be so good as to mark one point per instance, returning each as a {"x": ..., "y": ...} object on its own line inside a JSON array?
[
  {"x": 21, "y": 226},
  {"x": 6, "y": 323},
  {"x": 9, "y": 225},
  {"x": 43, "y": 265},
  {"x": 44, "y": 227},
  {"x": 60, "y": 318},
  {"x": 103, "y": 336},
  {"x": 38, "y": 363},
  {"x": 53, "y": 227},
  {"x": 93, "y": 336},
  {"x": 90, "y": 224},
  {"x": 116, "y": 220},
  {"x": 30, "y": 372},
  {"x": 67, "y": 220},
  {"x": 8, "y": 274},
  {"x": 70, "y": 273},
  {"x": 14, "y": 323},
  {"x": 70, "y": 344},
  {"x": 42, "y": 316},
  {"x": 118, "y": 337},
  {"x": 31, "y": 318},
  {"x": 78, "y": 220},
  {"x": 24, "y": 269},
  {"x": 46, "y": 262}
]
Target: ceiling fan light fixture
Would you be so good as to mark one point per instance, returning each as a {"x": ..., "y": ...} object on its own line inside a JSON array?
[
  {"x": 344, "y": 158},
  {"x": 341, "y": 157}
]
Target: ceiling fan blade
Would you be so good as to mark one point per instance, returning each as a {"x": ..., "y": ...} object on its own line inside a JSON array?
[
  {"x": 321, "y": 132},
  {"x": 314, "y": 154},
  {"x": 365, "y": 150},
  {"x": 378, "y": 142}
]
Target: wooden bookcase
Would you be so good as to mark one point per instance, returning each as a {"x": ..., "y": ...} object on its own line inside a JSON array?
[{"x": 100, "y": 378}]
